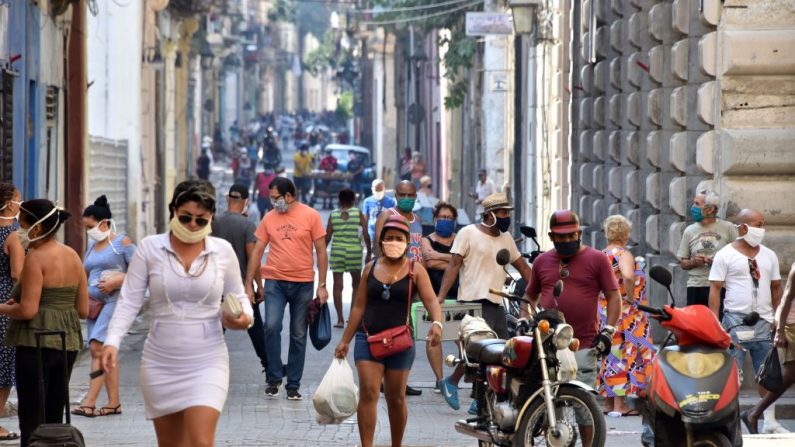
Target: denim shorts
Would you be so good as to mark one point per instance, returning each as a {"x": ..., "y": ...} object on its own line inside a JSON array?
[{"x": 400, "y": 361}]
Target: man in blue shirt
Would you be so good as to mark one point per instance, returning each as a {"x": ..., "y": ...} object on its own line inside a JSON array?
[{"x": 373, "y": 205}]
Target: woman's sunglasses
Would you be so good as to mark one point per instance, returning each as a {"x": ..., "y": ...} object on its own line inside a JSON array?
[
  {"x": 200, "y": 221},
  {"x": 386, "y": 293}
]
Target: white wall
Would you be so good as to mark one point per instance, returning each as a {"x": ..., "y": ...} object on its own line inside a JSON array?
[{"x": 114, "y": 98}]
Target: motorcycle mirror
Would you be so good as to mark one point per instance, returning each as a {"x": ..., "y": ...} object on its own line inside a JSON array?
[
  {"x": 661, "y": 275},
  {"x": 503, "y": 257},
  {"x": 751, "y": 319},
  {"x": 528, "y": 232},
  {"x": 558, "y": 289}
]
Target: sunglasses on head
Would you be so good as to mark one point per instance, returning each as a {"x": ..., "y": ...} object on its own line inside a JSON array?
[
  {"x": 184, "y": 219},
  {"x": 387, "y": 292}
]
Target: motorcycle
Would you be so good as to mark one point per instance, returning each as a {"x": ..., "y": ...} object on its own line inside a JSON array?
[
  {"x": 694, "y": 384},
  {"x": 524, "y": 398}
]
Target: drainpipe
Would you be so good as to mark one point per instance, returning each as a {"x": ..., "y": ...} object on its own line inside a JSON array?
[{"x": 76, "y": 90}]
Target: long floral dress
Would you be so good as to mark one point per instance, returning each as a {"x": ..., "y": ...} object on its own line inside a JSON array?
[
  {"x": 7, "y": 379},
  {"x": 625, "y": 369}
]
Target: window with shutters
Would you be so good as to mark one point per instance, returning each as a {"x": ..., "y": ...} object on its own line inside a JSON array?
[{"x": 6, "y": 125}]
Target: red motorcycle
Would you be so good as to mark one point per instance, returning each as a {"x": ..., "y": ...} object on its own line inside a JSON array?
[
  {"x": 524, "y": 386},
  {"x": 693, "y": 386}
]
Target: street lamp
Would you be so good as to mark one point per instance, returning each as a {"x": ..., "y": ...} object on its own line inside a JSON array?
[
  {"x": 523, "y": 14},
  {"x": 206, "y": 55}
]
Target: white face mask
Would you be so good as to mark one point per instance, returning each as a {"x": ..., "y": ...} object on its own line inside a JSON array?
[
  {"x": 22, "y": 233},
  {"x": 754, "y": 236},
  {"x": 98, "y": 235},
  {"x": 378, "y": 194},
  {"x": 15, "y": 216}
]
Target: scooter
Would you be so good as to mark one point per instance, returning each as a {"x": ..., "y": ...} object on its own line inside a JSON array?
[{"x": 693, "y": 386}]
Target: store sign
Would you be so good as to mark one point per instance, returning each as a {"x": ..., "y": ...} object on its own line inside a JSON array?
[{"x": 488, "y": 23}]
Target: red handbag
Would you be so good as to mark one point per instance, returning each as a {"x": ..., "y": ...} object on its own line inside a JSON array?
[
  {"x": 395, "y": 339},
  {"x": 94, "y": 308}
]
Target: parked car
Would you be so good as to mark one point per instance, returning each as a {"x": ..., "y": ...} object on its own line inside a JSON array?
[{"x": 341, "y": 151}]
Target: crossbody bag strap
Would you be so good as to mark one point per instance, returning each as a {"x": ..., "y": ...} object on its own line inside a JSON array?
[
  {"x": 372, "y": 272},
  {"x": 411, "y": 290}
]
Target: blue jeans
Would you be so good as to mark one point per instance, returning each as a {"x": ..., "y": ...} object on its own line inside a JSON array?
[
  {"x": 758, "y": 350},
  {"x": 278, "y": 294},
  {"x": 257, "y": 336}
]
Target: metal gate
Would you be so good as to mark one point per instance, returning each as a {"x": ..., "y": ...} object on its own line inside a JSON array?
[
  {"x": 107, "y": 174},
  {"x": 6, "y": 125}
]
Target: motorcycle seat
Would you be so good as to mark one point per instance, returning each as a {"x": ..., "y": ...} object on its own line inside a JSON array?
[{"x": 488, "y": 352}]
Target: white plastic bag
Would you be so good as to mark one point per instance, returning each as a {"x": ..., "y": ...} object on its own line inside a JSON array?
[
  {"x": 337, "y": 395},
  {"x": 568, "y": 364}
]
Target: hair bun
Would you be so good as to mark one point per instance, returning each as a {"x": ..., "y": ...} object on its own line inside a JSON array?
[
  {"x": 63, "y": 215},
  {"x": 102, "y": 201}
]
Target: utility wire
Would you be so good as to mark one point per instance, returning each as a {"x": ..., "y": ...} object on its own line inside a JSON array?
[
  {"x": 386, "y": 10},
  {"x": 427, "y": 16}
]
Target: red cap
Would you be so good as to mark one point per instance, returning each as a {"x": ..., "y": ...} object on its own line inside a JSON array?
[
  {"x": 564, "y": 222},
  {"x": 396, "y": 222}
]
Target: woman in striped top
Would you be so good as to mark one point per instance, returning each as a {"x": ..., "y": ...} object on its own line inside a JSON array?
[{"x": 346, "y": 247}]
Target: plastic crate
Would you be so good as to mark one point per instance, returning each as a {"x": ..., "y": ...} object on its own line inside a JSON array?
[{"x": 452, "y": 313}]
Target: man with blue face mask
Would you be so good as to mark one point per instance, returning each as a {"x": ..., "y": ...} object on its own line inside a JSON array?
[{"x": 700, "y": 241}]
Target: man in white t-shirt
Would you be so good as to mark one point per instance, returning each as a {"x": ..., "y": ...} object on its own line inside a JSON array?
[
  {"x": 749, "y": 272},
  {"x": 474, "y": 260},
  {"x": 484, "y": 188}
]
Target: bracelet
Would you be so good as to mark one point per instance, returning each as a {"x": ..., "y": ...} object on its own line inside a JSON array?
[
  {"x": 323, "y": 285},
  {"x": 438, "y": 323}
]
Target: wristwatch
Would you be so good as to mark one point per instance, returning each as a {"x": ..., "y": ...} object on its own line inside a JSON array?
[
  {"x": 610, "y": 329},
  {"x": 438, "y": 323},
  {"x": 321, "y": 285}
]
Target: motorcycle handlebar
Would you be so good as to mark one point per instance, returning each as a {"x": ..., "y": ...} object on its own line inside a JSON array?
[
  {"x": 662, "y": 314},
  {"x": 506, "y": 295}
]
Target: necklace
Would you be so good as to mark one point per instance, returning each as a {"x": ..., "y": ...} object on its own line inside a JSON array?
[{"x": 387, "y": 292}]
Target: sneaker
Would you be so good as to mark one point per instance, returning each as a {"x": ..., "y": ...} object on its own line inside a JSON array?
[
  {"x": 272, "y": 390},
  {"x": 436, "y": 388},
  {"x": 294, "y": 395},
  {"x": 473, "y": 409},
  {"x": 774, "y": 428},
  {"x": 450, "y": 393}
]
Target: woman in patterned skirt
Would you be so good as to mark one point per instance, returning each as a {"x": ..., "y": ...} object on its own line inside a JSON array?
[
  {"x": 624, "y": 370},
  {"x": 11, "y": 259},
  {"x": 346, "y": 249}
]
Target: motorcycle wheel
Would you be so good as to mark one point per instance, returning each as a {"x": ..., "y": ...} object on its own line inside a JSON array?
[
  {"x": 485, "y": 444},
  {"x": 533, "y": 428},
  {"x": 711, "y": 439}
]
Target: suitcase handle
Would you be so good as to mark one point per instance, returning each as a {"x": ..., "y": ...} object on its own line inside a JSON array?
[{"x": 40, "y": 367}]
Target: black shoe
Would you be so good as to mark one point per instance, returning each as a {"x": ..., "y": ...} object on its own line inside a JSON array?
[
  {"x": 272, "y": 390},
  {"x": 294, "y": 395},
  {"x": 412, "y": 391}
]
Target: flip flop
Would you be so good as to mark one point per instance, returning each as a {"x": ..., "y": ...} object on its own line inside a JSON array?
[
  {"x": 630, "y": 413},
  {"x": 84, "y": 410},
  {"x": 744, "y": 418}
]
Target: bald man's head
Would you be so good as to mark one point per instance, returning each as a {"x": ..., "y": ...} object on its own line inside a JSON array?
[
  {"x": 750, "y": 216},
  {"x": 406, "y": 187}
]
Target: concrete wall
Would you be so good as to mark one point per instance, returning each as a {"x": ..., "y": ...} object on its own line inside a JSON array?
[{"x": 671, "y": 96}]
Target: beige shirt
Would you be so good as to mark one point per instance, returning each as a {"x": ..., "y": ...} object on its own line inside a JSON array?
[
  {"x": 480, "y": 271},
  {"x": 704, "y": 240}
]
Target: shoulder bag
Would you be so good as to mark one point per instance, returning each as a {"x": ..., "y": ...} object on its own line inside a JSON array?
[{"x": 395, "y": 339}]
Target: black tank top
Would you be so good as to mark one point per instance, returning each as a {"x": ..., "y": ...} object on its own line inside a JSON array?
[
  {"x": 436, "y": 275},
  {"x": 381, "y": 314}
]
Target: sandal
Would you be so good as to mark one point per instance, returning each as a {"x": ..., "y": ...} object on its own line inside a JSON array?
[
  {"x": 84, "y": 410},
  {"x": 9, "y": 436},
  {"x": 109, "y": 411}
]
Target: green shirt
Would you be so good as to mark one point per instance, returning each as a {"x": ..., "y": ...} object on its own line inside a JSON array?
[{"x": 56, "y": 313}]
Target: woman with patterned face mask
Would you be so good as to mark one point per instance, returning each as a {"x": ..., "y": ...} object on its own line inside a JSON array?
[
  {"x": 51, "y": 295},
  {"x": 382, "y": 303},
  {"x": 11, "y": 259},
  {"x": 185, "y": 363},
  {"x": 105, "y": 261}
]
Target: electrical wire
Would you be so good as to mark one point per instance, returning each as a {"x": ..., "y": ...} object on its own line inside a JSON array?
[
  {"x": 427, "y": 16},
  {"x": 409, "y": 8}
]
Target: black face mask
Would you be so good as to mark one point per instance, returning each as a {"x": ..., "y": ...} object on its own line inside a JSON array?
[
  {"x": 503, "y": 224},
  {"x": 567, "y": 249}
]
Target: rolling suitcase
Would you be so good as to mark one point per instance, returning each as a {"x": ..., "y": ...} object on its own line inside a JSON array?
[{"x": 50, "y": 435}]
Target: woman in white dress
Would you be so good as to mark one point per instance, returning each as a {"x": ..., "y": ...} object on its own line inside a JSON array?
[{"x": 185, "y": 363}]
